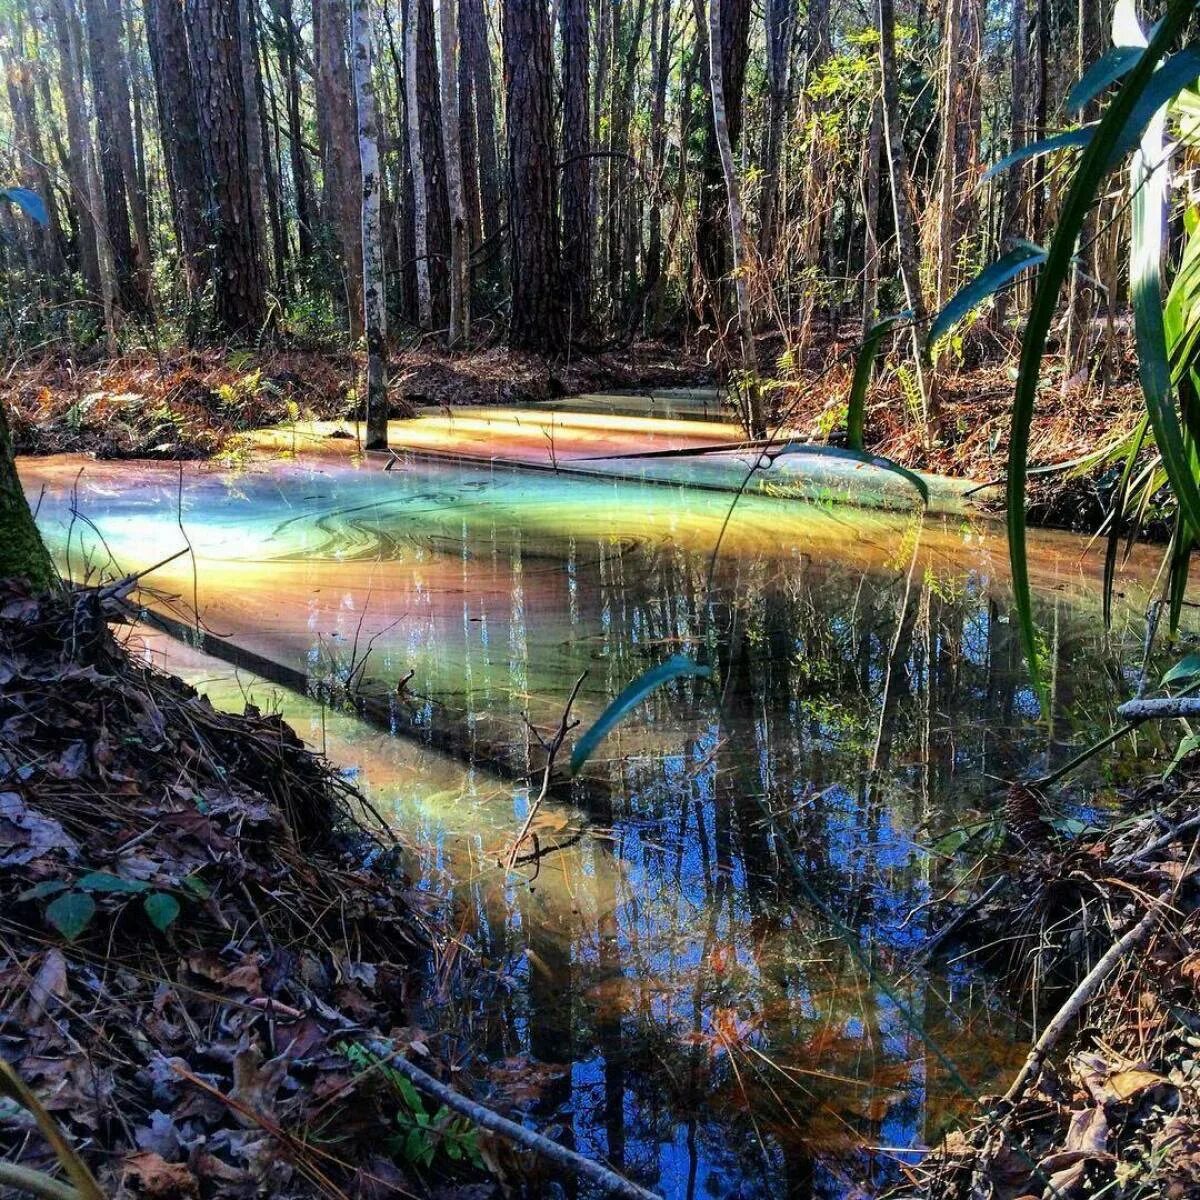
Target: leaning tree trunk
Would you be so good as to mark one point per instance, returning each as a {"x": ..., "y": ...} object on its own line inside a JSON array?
[
  {"x": 215, "y": 53},
  {"x": 755, "y": 419},
  {"x": 373, "y": 288},
  {"x": 460, "y": 272},
  {"x": 904, "y": 209},
  {"x": 22, "y": 551},
  {"x": 535, "y": 322}
]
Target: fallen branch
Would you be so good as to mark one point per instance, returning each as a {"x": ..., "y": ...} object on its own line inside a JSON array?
[
  {"x": 604, "y": 1177},
  {"x": 1163, "y": 709},
  {"x": 1089, "y": 986}
]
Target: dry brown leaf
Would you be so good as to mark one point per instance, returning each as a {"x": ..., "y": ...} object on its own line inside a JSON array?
[{"x": 159, "y": 1179}]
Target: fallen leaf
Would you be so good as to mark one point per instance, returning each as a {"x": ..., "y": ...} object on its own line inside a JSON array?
[{"x": 157, "y": 1178}]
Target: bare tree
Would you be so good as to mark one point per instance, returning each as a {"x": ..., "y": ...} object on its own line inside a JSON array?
[{"x": 460, "y": 273}]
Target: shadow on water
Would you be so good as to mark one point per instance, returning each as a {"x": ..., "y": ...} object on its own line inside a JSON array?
[{"x": 703, "y": 978}]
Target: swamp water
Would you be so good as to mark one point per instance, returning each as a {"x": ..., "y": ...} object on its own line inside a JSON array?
[{"x": 705, "y": 979}]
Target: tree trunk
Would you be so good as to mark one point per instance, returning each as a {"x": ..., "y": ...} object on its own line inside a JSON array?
[
  {"x": 254, "y": 139},
  {"x": 111, "y": 176},
  {"x": 180, "y": 132},
  {"x": 1018, "y": 135},
  {"x": 343, "y": 185},
  {"x": 302, "y": 185},
  {"x": 535, "y": 322},
  {"x": 577, "y": 166},
  {"x": 416, "y": 161},
  {"x": 71, "y": 46},
  {"x": 84, "y": 202},
  {"x": 712, "y": 219},
  {"x": 754, "y": 414},
  {"x": 215, "y": 55},
  {"x": 460, "y": 273},
  {"x": 781, "y": 25},
  {"x": 904, "y": 210},
  {"x": 475, "y": 48},
  {"x": 373, "y": 286},
  {"x": 121, "y": 109},
  {"x": 22, "y": 551},
  {"x": 660, "y": 72},
  {"x": 870, "y": 310},
  {"x": 437, "y": 201}
]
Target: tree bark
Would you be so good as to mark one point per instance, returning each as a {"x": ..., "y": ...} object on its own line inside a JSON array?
[
  {"x": 111, "y": 176},
  {"x": 416, "y": 162},
  {"x": 437, "y": 201},
  {"x": 475, "y": 48},
  {"x": 79, "y": 142},
  {"x": 1018, "y": 135},
  {"x": 577, "y": 166},
  {"x": 733, "y": 199},
  {"x": 373, "y": 284},
  {"x": 302, "y": 185},
  {"x": 215, "y": 56},
  {"x": 781, "y": 25},
  {"x": 460, "y": 273},
  {"x": 22, "y": 551},
  {"x": 180, "y": 132},
  {"x": 343, "y": 185},
  {"x": 535, "y": 322}
]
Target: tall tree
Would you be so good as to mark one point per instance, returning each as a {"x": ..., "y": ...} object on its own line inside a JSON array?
[
  {"x": 416, "y": 162},
  {"x": 781, "y": 25},
  {"x": 904, "y": 208},
  {"x": 754, "y": 413},
  {"x": 373, "y": 287},
  {"x": 214, "y": 48},
  {"x": 342, "y": 190},
  {"x": 535, "y": 318},
  {"x": 460, "y": 271},
  {"x": 179, "y": 127},
  {"x": 577, "y": 165}
]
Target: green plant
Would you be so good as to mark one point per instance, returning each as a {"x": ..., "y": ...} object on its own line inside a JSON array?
[
  {"x": 423, "y": 1133},
  {"x": 73, "y": 907},
  {"x": 1166, "y": 332}
]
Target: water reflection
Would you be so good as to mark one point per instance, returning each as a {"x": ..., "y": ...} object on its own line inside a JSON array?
[{"x": 706, "y": 966}]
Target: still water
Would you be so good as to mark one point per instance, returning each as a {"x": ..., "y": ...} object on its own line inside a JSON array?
[{"x": 706, "y": 977}]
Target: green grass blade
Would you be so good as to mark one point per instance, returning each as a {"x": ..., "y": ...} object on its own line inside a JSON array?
[
  {"x": 1087, "y": 181},
  {"x": 676, "y": 667},
  {"x": 1120, "y": 502},
  {"x": 989, "y": 281},
  {"x": 863, "y": 366}
]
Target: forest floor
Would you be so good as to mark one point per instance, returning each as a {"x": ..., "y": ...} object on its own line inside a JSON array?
[
  {"x": 201, "y": 926},
  {"x": 195, "y": 404},
  {"x": 1104, "y": 929}
]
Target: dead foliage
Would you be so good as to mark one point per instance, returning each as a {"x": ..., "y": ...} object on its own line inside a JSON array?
[
  {"x": 187, "y": 930},
  {"x": 1114, "y": 1107},
  {"x": 192, "y": 404}
]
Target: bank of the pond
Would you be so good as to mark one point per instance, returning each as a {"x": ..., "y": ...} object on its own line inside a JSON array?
[
  {"x": 1102, "y": 930},
  {"x": 198, "y": 967},
  {"x": 187, "y": 404}
]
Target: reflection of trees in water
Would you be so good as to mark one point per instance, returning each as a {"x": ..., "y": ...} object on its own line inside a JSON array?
[{"x": 855, "y": 712}]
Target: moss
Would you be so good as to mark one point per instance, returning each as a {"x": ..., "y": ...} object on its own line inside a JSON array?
[{"x": 22, "y": 551}]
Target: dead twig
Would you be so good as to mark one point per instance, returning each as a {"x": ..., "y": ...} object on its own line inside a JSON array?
[
  {"x": 565, "y": 726},
  {"x": 1087, "y": 988}
]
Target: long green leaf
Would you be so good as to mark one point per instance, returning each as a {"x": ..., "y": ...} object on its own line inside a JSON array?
[
  {"x": 1106, "y": 70},
  {"x": 1068, "y": 139},
  {"x": 676, "y": 667},
  {"x": 990, "y": 280},
  {"x": 860, "y": 456},
  {"x": 1117, "y": 515},
  {"x": 863, "y": 367},
  {"x": 1148, "y": 185},
  {"x": 1089, "y": 176}
]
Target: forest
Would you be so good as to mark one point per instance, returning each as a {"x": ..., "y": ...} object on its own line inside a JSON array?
[{"x": 596, "y": 599}]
